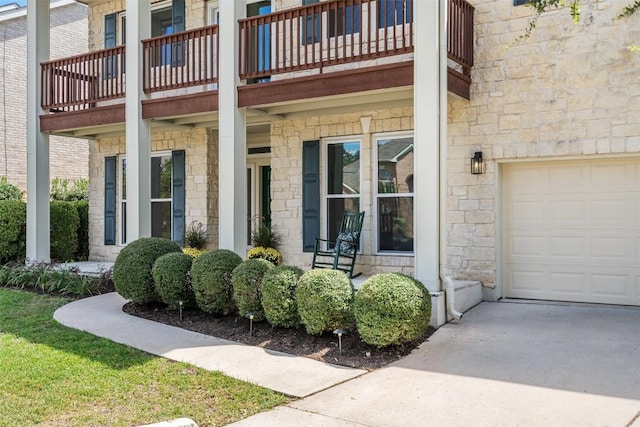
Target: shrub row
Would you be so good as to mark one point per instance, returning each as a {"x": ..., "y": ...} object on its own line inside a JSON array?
[
  {"x": 388, "y": 309},
  {"x": 69, "y": 234}
]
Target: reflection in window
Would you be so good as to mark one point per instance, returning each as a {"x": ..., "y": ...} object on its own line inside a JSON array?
[
  {"x": 343, "y": 183},
  {"x": 394, "y": 12},
  {"x": 395, "y": 194}
]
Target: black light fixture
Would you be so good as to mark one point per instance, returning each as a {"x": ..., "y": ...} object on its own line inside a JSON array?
[{"x": 477, "y": 164}]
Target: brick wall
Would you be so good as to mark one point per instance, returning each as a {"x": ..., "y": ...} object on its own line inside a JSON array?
[
  {"x": 68, "y": 156},
  {"x": 568, "y": 91}
]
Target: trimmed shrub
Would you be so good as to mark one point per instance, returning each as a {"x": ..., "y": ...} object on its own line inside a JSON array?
[
  {"x": 279, "y": 296},
  {"x": 325, "y": 300},
  {"x": 82, "y": 253},
  {"x": 64, "y": 230},
  {"x": 261, "y": 252},
  {"x": 13, "y": 230},
  {"x": 392, "y": 309},
  {"x": 9, "y": 191},
  {"x": 246, "y": 280},
  {"x": 132, "y": 276},
  {"x": 211, "y": 275},
  {"x": 173, "y": 280}
]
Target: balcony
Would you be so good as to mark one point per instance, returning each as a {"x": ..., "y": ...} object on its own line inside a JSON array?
[{"x": 355, "y": 45}]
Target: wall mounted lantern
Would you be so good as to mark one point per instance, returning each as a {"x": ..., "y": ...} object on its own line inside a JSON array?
[{"x": 477, "y": 164}]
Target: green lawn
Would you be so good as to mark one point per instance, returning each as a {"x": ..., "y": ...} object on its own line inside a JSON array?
[{"x": 56, "y": 376}]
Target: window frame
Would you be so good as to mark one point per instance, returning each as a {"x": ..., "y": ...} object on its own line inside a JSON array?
[
  {"x": 324, "y": 190},
  {"x": 122, "y": 200},
  {"x": 375, "y": 196}
]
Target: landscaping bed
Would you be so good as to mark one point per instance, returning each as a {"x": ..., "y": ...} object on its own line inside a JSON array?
[{"x": 294, "y": 341}]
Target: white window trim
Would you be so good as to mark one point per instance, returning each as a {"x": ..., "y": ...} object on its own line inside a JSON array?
[
  {"x": 325, "y": 142},
  {"x": 122, "y": 199},
  {"x": 155, "y": 6},
  {"x": 374, "y": 191}
]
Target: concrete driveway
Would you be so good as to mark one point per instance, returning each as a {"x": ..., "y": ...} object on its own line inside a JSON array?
[{"x": 503, "y": 364}]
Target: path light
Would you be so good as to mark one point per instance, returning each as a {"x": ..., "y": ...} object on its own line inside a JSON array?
[
  {"x": 339, "y": 333},
  {"x": 250, "y": 316},
  {"x": 180, "y": 303}
]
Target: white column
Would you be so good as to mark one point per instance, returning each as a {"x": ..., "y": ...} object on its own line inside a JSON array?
[
  {"x": 37, "y": 142},
  {"x": 426, "y": 89},
  {"x": 138, "y": 134},
  {"x": 232, "y": 174}
]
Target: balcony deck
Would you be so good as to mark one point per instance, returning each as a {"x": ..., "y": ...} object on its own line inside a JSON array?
[{"x": 339, "y": 48}]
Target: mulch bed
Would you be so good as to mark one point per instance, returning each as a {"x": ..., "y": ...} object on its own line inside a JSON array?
[{"x": 294, "y": 341}]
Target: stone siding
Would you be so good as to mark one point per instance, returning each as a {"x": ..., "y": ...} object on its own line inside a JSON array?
[
  {"x": 68, "y": 157},
  {"x": 201, "y": 152},
  {"x": 569, "y": 91},
  {"x": 286, "y": 179}
]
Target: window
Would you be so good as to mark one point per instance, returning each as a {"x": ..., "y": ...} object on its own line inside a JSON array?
[
  {"x": 166, "y": 18},
  {"x": 394, "y": 194},
  {"x": 342, "y": 183},
  {"x": 346, "y": 21},
  {"x": 310, "y": 25},
  {"x": 394, "y": 12},
  {"x": 519, "y": 2},
  {"x": 161, "y": 196}
]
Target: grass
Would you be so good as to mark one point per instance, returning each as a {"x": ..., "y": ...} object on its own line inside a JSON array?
[{"x": 55, "y": 376}]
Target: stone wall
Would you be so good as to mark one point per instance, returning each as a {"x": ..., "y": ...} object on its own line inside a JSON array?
[
  {"x": 569, "y": 91},
  {"x": 286, "y": 178},
  {"x": 201, "y": 151},
  {"x": 68, "y": 157}
]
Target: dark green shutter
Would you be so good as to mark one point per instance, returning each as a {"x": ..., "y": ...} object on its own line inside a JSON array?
[
  {"x": 178, "y": 16},
  {"x": 310, "y": 194},
  {"x": 178, "y": 196},
  {"x": 110, "y": 200}
]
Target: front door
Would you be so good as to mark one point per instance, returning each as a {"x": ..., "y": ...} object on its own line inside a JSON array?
[{"x": 258, "y": 194}]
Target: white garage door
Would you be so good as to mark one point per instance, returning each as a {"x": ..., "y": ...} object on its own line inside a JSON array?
[{"x": 572, "y": 231}]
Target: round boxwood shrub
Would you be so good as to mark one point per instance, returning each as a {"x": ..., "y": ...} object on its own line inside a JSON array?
[
  {"x": 132, "y": 269},
  {"x": 279, "y": 296},
  {"x": 325, "y": 300},
  {"x": 392, "y": 308},
  {"x": 172, "y": 277},
  {"x": 247, "y": 279},
  {"x": 211, "y": 275}
]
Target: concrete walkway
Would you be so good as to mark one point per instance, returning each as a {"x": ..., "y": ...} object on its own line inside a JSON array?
[
  {"x": 294, "y": 376},
  {"x": 503, "y": 364}
]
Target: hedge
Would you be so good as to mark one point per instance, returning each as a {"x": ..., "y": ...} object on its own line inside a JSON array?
[
  {"x": 211, "y": 277},
  {"x": 172, "y": 278},
  {"x": 64, "y": 230},
  {"x": 13, "y": 219},
  {"x": 82, "y": 253},
  {"x": 279, "y": 296},
  {"x": 247, "y": 280}
]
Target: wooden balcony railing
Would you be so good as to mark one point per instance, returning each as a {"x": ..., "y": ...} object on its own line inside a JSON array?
[
  {"x": 189, "y": 58},
  {"x": 77, "y": 83},
  {"x": 323, "y": 34},
  {"x": 342, "y": 31},
  {"x": 309, "y": 37},
  {"x": 460, "y": 34}
]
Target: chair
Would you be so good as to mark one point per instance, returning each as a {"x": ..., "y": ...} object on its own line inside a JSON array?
[{"x": 342, "y": 256}]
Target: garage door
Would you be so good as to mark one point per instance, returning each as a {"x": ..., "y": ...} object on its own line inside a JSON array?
[{"x": 572, "y": 231}]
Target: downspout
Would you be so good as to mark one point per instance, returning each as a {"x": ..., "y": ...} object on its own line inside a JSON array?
[{"x": 446, "y": 279}]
